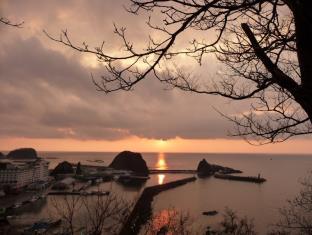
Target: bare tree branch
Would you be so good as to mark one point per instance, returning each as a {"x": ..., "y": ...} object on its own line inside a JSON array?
[
  {"x": 6, "y": 21},
  {"x": 264, "y": 46}
]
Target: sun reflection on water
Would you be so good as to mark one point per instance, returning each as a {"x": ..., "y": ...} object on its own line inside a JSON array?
[
  {"x": 161, "y": 178},
  {"x": 161, "y": 162},
  {"x": 161, "y": 165},
  {"x": 169, "y": 219}
]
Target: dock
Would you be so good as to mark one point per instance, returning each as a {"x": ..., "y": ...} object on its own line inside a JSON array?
[
  {"x": 251, "y": 179},
  {"x": 62, "y": 193},
  {"x": 168, "y": 171},
  {"x": 142, "y": 210}
]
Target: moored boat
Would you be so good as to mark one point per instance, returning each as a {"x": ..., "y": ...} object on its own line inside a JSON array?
[
  {"x": 17, "y": 205},
  {"x": 132, "y": 179},
  {"x": 210, "y": 213},
  {"x": 34, "y": 198}
]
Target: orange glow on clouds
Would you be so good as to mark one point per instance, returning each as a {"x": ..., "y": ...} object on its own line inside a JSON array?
[{"x": 152, "y": 145}]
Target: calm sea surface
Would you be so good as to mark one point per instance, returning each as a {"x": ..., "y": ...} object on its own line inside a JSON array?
[{"x": 261, "y": 202}]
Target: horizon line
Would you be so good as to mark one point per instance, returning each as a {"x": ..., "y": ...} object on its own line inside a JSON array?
[{"x": 170, "y": 152}]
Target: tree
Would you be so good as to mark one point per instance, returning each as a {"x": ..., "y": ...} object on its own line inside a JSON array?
[
  {"x": 93, "y": 215},
  {"x": 264, "y": 45},
  {"x": 106, "y": 216},
  {"x": 66, "y": 209},
  {"x": 234, "y": 225},
  {"x": 8, "y": 22},
  {"x": 169, "y": 221},
  {"x": 296, "y": 217},
  {"x": 175, "y": 222}
]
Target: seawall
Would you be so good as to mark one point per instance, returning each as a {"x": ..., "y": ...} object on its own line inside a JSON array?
[
  {"x": 142, "y": 210},
  {"x": 252, "y": 179}
]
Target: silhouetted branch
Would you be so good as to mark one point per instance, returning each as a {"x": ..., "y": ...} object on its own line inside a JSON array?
[
  {"x": 296, "y": 218},
  {"x": 6, "y": 21},
  {"x": 93, "y": 215},
  {"x": 263, "y": 45}
]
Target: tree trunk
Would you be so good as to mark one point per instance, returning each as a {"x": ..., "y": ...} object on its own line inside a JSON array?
[{"x": 303, "y": 22}]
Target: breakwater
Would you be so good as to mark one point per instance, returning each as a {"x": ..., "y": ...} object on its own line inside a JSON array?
[
  {"x": 62, "y": 193},
  {"x": 157, "y": 171},
  {"x": 142, "y": 210},
  {"x": 251, "y": 179}
]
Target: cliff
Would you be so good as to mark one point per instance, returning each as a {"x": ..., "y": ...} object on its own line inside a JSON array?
[
  {"x": 63, "y": 168},
  {"x": 131, "y": 161},
  {"x": 206, "y": 169},
  {"x": 23, "y": 153}
]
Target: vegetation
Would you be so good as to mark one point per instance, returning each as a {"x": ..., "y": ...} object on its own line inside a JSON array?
[
  {"x": 95, "y": 215},
  {"x": 296, "y": 217},
  {"x": 106, "y": 215},
  {"x": 169, "y": 221},
  {"x": 264, "y": 45},
  {"x": 233, "y": 225}
]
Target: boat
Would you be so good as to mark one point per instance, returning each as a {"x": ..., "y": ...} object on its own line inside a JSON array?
[
  {"x": 132, "y": 179},
  {"x": 17, "y": 205},
  {"x": 97, "y": 181},
  {"x": 96, "y": 161},
  {"x": 210, "y": 213},
  {"x": 42, "y": 226},
  {"x": 99, "y": 193},
  {"x": 83, "y": 193},
  {"x": 34, "y": 198}
]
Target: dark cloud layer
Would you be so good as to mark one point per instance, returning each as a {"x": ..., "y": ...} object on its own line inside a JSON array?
[{"x": 47, "y": 93}]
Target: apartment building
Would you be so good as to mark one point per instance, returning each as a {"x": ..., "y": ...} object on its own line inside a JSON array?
[{"x": 22, "y": 172}]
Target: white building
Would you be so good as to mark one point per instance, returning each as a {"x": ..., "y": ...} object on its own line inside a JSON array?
[{"x": 22, "y": 172}]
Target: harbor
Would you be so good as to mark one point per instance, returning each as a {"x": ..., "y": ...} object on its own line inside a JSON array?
[{"x": 76, "y": 180}]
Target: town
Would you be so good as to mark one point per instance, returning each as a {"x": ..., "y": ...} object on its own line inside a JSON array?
[{"x": 25, "y": 178}]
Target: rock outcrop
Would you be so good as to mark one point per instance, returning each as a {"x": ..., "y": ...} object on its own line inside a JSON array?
[
  {"x": 206, "y": 169},
  {"x": 23, "y": 153},
  {"x": 63, "y": 168},
  {"x": 131, "y": 161},
  {"x": 2, "y": 155}
]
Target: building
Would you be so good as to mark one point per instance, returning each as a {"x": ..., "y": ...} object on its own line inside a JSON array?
[{"x": 19, "y": 173}]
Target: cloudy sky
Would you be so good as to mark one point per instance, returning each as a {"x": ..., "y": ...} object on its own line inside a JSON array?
[{"x": 48, "y": 100}]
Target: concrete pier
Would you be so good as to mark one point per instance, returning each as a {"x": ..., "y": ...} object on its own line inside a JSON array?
[
  {"x": 168, "y": 171},
  {"x": 142, "y": 210},
  {"x": 251, "y": 179}
]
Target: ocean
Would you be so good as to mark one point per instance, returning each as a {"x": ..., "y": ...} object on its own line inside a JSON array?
[{"x": 260, "y": 202}]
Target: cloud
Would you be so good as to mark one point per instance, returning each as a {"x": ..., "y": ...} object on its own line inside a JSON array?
[{"x": 46, "y": 90}]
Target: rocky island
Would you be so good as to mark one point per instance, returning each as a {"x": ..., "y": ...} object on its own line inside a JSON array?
[
  {"x": 63, "y": 168},
  {"x": 130, "y": 161},
  {"x": 23, "y": 153},
  {"x": 205, "y": 169}
]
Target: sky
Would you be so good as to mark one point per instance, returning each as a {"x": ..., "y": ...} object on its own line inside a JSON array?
[{"x": 49, "y": 102}]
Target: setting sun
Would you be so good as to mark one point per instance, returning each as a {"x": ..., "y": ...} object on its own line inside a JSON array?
[{"x": 162, "y": 144}]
